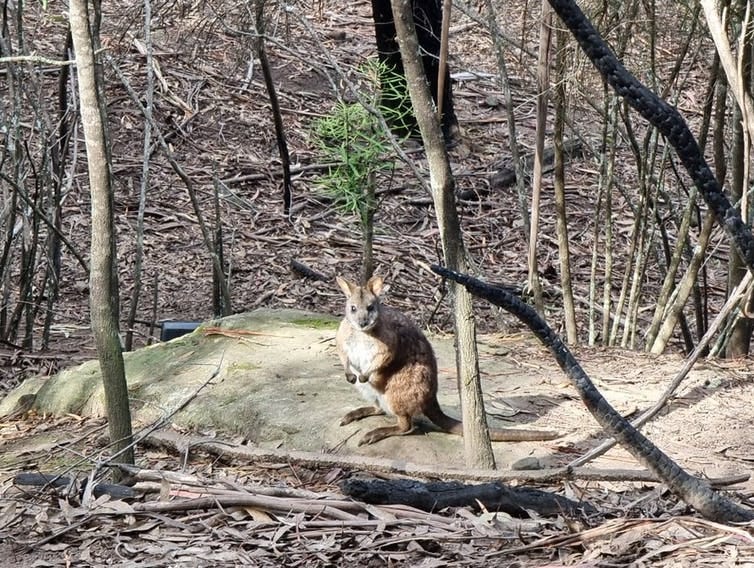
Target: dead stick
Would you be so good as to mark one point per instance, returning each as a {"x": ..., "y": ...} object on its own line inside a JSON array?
[
  {"x": 168, "y": 439},
  {"x": 327, "y": 508}
]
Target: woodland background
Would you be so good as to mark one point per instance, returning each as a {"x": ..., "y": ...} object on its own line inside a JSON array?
[{"x": 625, "y": 195}]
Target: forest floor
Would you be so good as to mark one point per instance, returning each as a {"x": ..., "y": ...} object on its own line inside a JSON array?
[
  {"x": 217, "y": 120},
  {"x": 268, "y": 492}
]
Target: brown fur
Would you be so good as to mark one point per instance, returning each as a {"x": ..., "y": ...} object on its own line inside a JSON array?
[{"x": 392, "y": 364}]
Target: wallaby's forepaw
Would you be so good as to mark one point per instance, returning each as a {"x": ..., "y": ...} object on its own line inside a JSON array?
[{"x": 351, "y": 378}]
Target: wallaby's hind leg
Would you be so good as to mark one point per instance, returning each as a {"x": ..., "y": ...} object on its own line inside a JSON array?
[
  {"x": 360, "y": 413},
  {"x": 405, "y": 426}
]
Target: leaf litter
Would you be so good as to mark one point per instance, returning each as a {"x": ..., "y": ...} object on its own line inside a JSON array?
[{"x": 276, "y": 514}]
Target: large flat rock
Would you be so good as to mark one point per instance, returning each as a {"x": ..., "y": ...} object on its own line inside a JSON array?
[{"x": 274, "y": 379}]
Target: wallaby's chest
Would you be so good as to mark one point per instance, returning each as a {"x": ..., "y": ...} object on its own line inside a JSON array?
[{"x": 365, "y": 353}]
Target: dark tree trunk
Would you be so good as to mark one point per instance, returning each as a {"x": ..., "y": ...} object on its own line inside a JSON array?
[{"x": 428, "y": 20}]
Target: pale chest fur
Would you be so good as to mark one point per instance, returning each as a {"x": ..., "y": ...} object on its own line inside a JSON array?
[{"x": 364, "y": 353}]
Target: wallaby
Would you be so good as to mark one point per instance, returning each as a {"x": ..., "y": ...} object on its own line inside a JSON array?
[{"x": 392, "y": 364}]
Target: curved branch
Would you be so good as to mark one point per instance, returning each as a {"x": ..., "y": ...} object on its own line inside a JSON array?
[{"x": 692, "y": 490}]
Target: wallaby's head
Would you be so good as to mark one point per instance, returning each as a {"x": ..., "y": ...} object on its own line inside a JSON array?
[{"x": 362, "y": 302}]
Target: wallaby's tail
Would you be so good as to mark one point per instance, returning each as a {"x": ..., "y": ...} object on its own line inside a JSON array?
[
  {"x": 453, "y": 426},
  {"x": 442, "y": 420}
]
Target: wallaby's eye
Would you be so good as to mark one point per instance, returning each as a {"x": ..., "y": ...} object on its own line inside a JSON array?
[
  {"x": 353, "y": 308},
  {"x": 370, "y": 307}
]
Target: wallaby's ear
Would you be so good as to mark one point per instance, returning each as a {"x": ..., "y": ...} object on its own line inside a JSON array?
[
  {"x": 345, "y": 285},
  {"x": 375, "y": 285}
]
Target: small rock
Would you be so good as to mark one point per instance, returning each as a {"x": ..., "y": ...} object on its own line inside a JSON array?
[{"x": 528, "y": 463}]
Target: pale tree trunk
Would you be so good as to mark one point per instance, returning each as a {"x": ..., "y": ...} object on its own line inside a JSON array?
[
  {"x": 669, "y": 284},
  {"x": 569, "y": 310},
  {"x": 684, "y": 289},
  {"x": 543, "y": 86},
  {"x": 102, "y": 305},
  {"x": 475, "y": 435},
  {"x": 737, "y": 82},
  {"x": 738, "y": 73}
]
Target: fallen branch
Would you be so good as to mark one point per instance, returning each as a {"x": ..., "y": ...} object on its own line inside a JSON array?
[
  {"x": 505, "y": 176},
  {"x": 435, "y": 496},
  {"x": 307, "y": 272},
  {"x": 63, "y": 484},
  {"x": 171, "y": 441}
]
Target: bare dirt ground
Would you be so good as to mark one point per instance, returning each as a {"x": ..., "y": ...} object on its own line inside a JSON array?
[{"x": 217, "y": 121}]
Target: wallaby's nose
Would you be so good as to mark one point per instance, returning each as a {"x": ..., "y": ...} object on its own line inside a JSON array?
[{"x": 365, "y": 320}]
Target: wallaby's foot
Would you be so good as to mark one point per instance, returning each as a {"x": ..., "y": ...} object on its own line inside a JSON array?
[
  {"x": 360, "y": 413},
  {"x": 351, "y": 378},
  {"x": 405, "y": 426}
]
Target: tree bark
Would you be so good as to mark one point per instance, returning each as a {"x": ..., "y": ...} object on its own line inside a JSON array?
[
  {"x": 103, "y": 311},
  {"x": 564, "y": 254},
  {"x": 738, "y": 343},
  {"x": 543, "y": 87},
  {"x": 476, "y": 437},
  {"x": 740, "y": 337},
  {"x": 428, "y": 13},
  {"x": 277, "y": 116}
]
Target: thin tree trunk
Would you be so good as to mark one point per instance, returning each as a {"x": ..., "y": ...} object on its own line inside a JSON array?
[
  {"x": 607, "y": 187},
  {"x": 103, "y": 312},
  {"x": 510, "y": 119},
  {"x": 447, "y": 6},
  {"x": 738, "y": 83},
  {"x": 220, "y": 280},
  {"x": 367, "y": 227},
  {"x": 684, "y": 289},
  {"x": 669, "y": 284},
  {"x": 740, "y": 337},
  {"x": 277, "y": 116},
  {"x": 543, "y": 86},
  {"x": 476, "y": 437},
  {"x": 144, "y": 186},
  {"x": 560, "y": 198}
]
